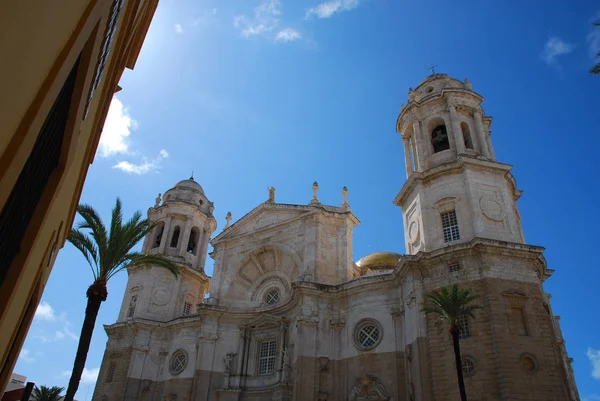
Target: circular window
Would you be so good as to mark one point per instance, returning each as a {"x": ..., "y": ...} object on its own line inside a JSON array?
[
  {"x": 429, "y": 90},
  {"x": 179, "y": 361},
  {"x": 201, "y": 202},
  {"x": 367, "y": 334},
  {"x": 272, "y": 296},
  {"x": 528, "y": 363},
  {"x": 468, "y": 366}
]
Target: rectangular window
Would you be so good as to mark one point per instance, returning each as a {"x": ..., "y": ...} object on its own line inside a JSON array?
[
  {"x": 464, "y": 327},
  {"x": 187, "y": 307},
  {"x": 111, "y": 372},
  {"x": 517, "y": 321},
  {"x": 450, "y": 226},
  {"x": 453, "y": 267},
  {"x": 266, "y": 360},
  {"x": 131, "y": 309}
]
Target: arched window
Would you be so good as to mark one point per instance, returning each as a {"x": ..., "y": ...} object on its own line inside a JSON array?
[
  {"x": 466, "y": 135},
  {"x": 175, "y": 237},
  {"x": 158, "y": 233},
  {"x": 193, "y": 241},
  {"x": 439, "y": 139}
]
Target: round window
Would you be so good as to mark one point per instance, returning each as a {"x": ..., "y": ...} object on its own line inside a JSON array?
[
  {"x": 272, "y": 296},
  {"x": 367, "y": 334},
  {"x": 528, "y": 363},
  {"x": 468, "y": 366},
  {"x": 179, "y": 361}
]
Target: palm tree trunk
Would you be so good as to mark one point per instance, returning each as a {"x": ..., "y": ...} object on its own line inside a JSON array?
[
  {"x": 96, "y": 294},
  {"x": 459, "y": 373}
]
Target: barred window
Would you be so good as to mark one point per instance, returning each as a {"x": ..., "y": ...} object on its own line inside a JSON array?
[
  {"x": 132, "y": 303},
  {"x": 272, "y": 297},
  {"x": 468, "y": 366},
  {"x": 111, "y": 372},
  {"x": 187, "y": 307},
  {"x": 453, "y": 267},
  {"x": 464, "y": 327},
  {"x": 266, "y": 360},
  {"x": 450, "y": 226}
]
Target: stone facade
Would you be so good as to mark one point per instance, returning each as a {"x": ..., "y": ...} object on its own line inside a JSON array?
[{"x": 290, "y": 316}]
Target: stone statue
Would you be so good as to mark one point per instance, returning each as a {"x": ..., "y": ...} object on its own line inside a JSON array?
[
  {"x": 158, "y": 199},
  {"x": 345, "y": 195},
  {"x": 368, "y": 387},
  {"x": 227, "y": 360},
  {"x": 271, "y": 194},
  {"x": 228, "y": 218},
  {"x": 211, "y": 208},
  {"x": 286, "y": 357},
  {"x": 315, "y": 188}
]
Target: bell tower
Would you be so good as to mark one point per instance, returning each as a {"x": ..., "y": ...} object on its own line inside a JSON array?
[
  {"x": 455, "y": 189},
  {"x": 184, "y": 223}
]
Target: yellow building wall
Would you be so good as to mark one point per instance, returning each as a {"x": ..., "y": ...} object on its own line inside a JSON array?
[{"x": 39, "y": 44}]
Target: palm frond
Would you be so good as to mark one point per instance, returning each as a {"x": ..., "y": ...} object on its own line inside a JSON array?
[
  {"x": 87, "y": 247},
  {"x": 137, "y": 259},
  {"x": 93, "y": 222},
  {"x": 451, "y": 305}
]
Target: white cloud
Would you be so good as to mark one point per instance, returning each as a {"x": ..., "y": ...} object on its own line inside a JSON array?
[
  {"x": 591, "y": 397},
  {"x": 25, "y": 356},
  {"x": 287, "y": 35},
  {"x": 206, "y": 17},
  {"x": 59, "y": 335},
  {"x": 266, "y": 22},
  {"x": 327, "y": 9},
  {"x": 69, "y": 333},
  {"x": 89, "y": 376},
  {"x": 45, "y": 312},
  {"x": 556, "y": 47},
  {"x": 178, "y": 28},
  {"x": 117, "y": 128},
  {"x": 145, "y": 166},
  {"x": 594, "y": 357}
]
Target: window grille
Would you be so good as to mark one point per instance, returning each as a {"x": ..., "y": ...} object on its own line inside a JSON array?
[
  {"x": 187, "y": 307},
  {"x": 110, "y": 375},
  {"x": 468, "y": 366},
  {"x": 266, "y": 360},
  {"x": 450, "y": 226},
  {"x": 453, "y": 267},
  {"x": 179, "y": 361},
  {"x": 105, "y": 48},
  {"x": 272, "y": 297},
  {"x": 464, "y": 327}
]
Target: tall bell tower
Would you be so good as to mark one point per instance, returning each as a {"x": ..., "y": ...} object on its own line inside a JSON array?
[
  {"x": 184, "y": 225},
  {"x": 462, "y": 226},
  {"x": 455, "y": 189}
]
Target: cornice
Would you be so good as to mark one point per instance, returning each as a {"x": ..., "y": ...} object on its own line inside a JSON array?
[{"x": 457, "y": 166}]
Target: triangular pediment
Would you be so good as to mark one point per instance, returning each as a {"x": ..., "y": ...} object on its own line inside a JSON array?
[
  {"x": 514, "y": 294},
  {"x": 263, "y": 217}
]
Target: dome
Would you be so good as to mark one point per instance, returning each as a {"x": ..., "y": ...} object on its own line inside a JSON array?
[
  {"x": 379, "y": 260},
  {"x": 189, "y": 184}
]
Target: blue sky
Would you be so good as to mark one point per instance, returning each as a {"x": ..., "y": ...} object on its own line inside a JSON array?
[{"x": 250, "y": 94}]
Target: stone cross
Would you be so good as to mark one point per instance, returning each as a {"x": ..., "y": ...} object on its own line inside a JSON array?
[
  {"x": 158, "y": 198},
  {"x": 345, "y": 195},
  {"x": 271, "y": 194},
  {"x": 315, "y": 188},
  {"x": 228, "y": 218},
  {"x": 432, "y": 68}
]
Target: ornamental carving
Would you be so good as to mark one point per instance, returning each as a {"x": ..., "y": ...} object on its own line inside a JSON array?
[
  {"x": 161, "y": 296},
  {"x": 491, "y": 208},
  {"x": 368, "y": 387}
]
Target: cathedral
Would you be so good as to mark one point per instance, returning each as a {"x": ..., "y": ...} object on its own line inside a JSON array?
[{"x": 290, "y": 316}]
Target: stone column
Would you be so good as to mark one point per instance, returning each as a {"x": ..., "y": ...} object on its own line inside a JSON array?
[
  {"x": 459, "y": 141},
  {"x": 165, "y": 236},
  {"x": 184, "y": 236},
  {"x": 280, "y": 365},
  {"x": 422, "y": 145},
  {"x": 407, "y": 159},
  {"x": 481, "y": 140},
  {"x": 203, "y": 248},
  {"x": 415, "y": 153},
  {"x": 490, "y": 147}
]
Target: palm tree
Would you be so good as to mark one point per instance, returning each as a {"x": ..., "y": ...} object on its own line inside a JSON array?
[
  {"x": 453, "y": 306},
  {"x": 596, "y": 69},
  {"x": 107, "y": 253},
  {"x": 44, "y": 393}
]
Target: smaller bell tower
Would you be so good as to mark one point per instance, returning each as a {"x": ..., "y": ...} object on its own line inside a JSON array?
[{"x": 184, "y": 223}]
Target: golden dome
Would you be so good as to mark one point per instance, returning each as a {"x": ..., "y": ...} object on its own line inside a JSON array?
[{"x": 379, "y": 260}]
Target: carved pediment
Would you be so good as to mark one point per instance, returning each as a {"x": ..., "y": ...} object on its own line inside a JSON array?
[
  {"x": 264, "y": 216},
  {"x": 265, "y": 321},
  {"x": 447, "y": 202},
  {"x": 368, "y": 387}
]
